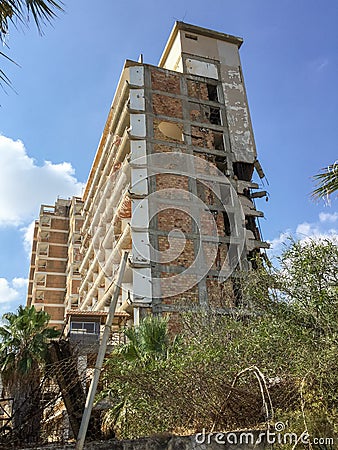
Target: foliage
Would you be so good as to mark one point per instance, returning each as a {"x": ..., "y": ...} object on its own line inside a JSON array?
[
  {"x": 24, "y": 338},
  {"x": 150, "y": 341},
  {"x": 23, "y": 341},
  {"x": 148, "y": 347},
  {"x": 327, "y": 182},
  {"x": 19, "y": 12},
  {"x": 281, "y": 345}
]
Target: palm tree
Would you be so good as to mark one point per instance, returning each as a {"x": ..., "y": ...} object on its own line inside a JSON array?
[
  {"x": 149, "y": 341},
  {"x": 327, "y": 182},
  {"x": 19, "y": 12},
  {"x": 24, "y": 338},
  {"x": 148, "y": 345}
]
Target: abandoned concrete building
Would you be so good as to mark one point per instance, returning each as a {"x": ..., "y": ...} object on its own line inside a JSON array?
[{"x": 171, "y": 183}]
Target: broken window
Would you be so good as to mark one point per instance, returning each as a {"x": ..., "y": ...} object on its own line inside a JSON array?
[
  {"x": 243, "y": 171},
  {"x": 218, "y": 141},
  {"x": 212, "y": 92},
  {"x": 215, "y": 116},
  {"x": 207, "y": 138},
  {"x": 227, "y": 225},
  {"x": 221, "y": 163},
  {"x": 205, "y": 113},
  {"x": 250, "y": 224}
]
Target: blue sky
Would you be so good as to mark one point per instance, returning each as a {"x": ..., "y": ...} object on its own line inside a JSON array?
[{"x": 67, "y": 78}]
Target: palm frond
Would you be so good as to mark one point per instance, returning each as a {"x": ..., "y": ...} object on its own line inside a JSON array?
[
  {"x": 327, "y": 182},
  {"x": 43, "y": 11},
  {"x": 14, "y": 11}
]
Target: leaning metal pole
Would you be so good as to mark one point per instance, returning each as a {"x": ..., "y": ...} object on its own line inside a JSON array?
[{"x": 100, "y": 357}]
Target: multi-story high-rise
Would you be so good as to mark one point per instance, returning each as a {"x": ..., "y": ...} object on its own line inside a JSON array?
[
  {"x": 171, "y": 183},
  {"x": 47, "y": 278}
]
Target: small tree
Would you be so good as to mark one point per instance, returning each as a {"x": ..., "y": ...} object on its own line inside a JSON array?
[
  {"x": 24, "y": 338},
  {"x": 148, "y": 346}
]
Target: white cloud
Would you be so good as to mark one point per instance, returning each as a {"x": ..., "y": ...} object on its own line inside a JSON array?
[
  {"x": 12, "y": 293},
  {"x": 24, "y": 185},
  {"x": 327, "y": 217},
  {"x": 20, "y": 283},
  {"x": 314, "y": 230},
  {"x": 277, "y": 244},
  {"x": 305, "y": 231},
  {"x": 7, "y": 293},
  {"x": 28, "y": 233}
]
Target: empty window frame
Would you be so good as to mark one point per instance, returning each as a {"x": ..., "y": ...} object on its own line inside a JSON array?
[
  {"x": 221, "y": 163},
  {"x": 85, "y": 327},
  {"x": 243, "y": 171},
  {"x": 227, "y": 224},
  {"x": 207, "y": 138},
  {"x": 218, "y": 141},
  {"x": 215, "y": 116},
  {"x": 250, "y": 224},
  {"x": 212, "y": 92}
]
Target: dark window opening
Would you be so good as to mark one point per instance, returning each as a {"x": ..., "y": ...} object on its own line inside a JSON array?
[
  {"x": 221, "y": 163},
  {"x": 212, "y": 92},
  {"x": 218, "y": 141},
  {"x": 246, "y": 192},
  {"x": 215, "y": 116},
  {"x": 222, "y": 166},
  {"x": 191, "y": 36},
  {"x": 250, "y": 224},
  {"x": 227, "y": 225},
  {"x": 243, "y": 171}
]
